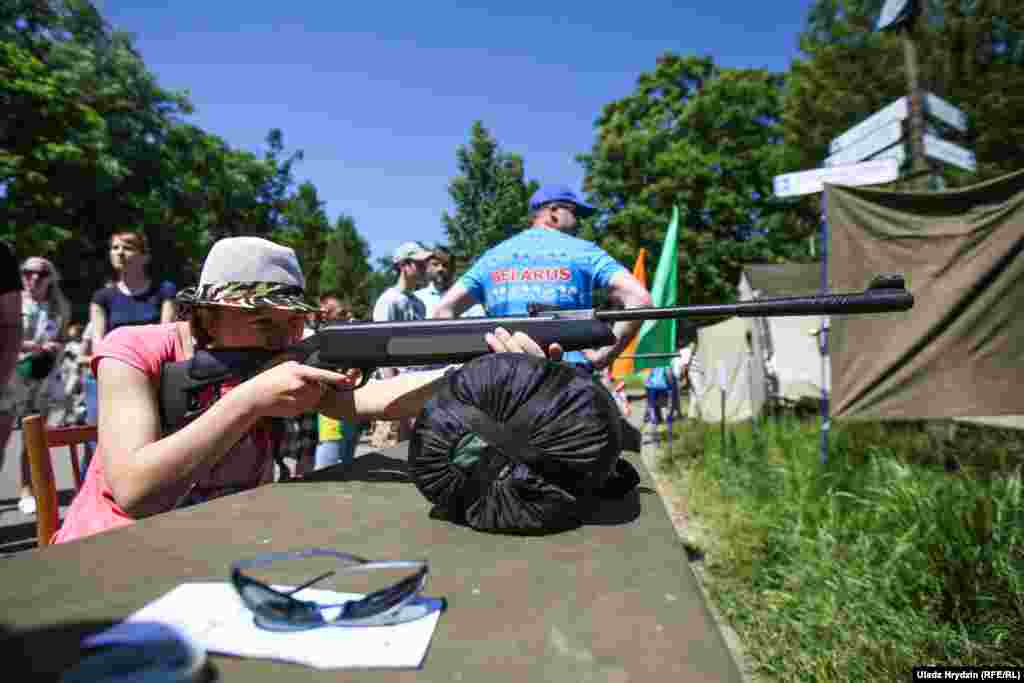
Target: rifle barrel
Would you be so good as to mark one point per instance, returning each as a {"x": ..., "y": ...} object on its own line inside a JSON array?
[{"x": 868, "y": 301}]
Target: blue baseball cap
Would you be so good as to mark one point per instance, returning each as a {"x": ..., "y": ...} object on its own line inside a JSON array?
[{"x": 559, "y": 193}]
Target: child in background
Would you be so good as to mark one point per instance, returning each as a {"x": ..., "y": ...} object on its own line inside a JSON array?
[
  {"x": 338, "y": 440},
  {"x": 72, "y": 372},
  {"x": 661, "y": 386}
]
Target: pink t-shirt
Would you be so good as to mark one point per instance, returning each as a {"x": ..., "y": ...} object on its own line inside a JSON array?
[{"x": 246, "y": 465}]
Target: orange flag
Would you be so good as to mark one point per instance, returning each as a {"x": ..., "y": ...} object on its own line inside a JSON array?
[{"x": 624, "y": 366}]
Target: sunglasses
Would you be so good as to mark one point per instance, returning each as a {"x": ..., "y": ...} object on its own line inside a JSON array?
[
  {"x": 278, "y": 610},
  {"x": 28, "y": 272},
  {"x": 571, "y": 208}
]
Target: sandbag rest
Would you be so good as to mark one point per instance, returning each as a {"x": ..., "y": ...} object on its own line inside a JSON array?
[{"x": 540, "y": 464}]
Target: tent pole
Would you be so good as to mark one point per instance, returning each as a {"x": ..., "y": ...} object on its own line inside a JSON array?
[{"x": 823, "y": 336}]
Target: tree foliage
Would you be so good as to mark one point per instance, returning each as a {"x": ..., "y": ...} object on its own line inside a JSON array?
[
  {"x": 490, "y": 195},
  {"x": 706, "y": 139},
  {"x": 346, "y": 266},
  {"x": 306, "y": 229},
  {"x": 91, "y": 144},
  {"x": 970, "y": 52}
]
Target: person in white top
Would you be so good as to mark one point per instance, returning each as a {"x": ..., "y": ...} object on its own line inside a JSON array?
[
  {"x": 689, "y": 374},
  {"x": 401, "y": 303}
]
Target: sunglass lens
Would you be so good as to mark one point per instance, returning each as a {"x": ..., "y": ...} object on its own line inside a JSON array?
[
  {"x": 279, "y": 611},
  {"x": 383, "y": 600}
]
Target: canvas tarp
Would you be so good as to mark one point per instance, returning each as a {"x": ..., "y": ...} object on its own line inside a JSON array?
[{"x": 960, "y": 351}]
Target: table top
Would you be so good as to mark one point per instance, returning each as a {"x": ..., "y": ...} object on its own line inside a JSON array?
[{"x": 614, "y": 600}]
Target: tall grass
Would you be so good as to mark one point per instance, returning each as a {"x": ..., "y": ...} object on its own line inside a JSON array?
[{"x": 905, "y": 548}]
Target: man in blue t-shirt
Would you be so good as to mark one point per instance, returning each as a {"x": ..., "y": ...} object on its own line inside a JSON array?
[{"x": 546, "y": 264}]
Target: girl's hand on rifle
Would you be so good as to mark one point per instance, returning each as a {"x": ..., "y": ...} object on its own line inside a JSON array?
[
  {"x": 290, "y": 389},
  {"x": 501, "y": 340}
]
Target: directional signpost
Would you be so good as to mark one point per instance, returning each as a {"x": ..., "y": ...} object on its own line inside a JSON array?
[
  {"x": 881, "y": 136},
  {"x": 807, "y": 182}
]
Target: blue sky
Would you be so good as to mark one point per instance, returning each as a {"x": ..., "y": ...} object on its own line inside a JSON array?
[{"x": 379, "y": 95}]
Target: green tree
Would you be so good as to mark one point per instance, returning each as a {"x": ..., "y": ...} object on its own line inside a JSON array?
[
  {"x": 490, "y": 196},
  {"x": 708, "y": 140},
  {"x": 90, "y": 144},
  {"x": 306, "y": 229},
  {"x": 81, "y": 133},
  {"x": 970, "y": 52},
  {"x": 346, "y": 265}
]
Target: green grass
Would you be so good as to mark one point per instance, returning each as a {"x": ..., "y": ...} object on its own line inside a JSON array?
[{"x": 906, "y": 548}]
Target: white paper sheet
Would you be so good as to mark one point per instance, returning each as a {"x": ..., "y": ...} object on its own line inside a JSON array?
[{"x": 213, "y": 615}]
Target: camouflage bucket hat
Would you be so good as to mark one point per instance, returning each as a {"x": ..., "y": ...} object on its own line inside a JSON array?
[{"x": 249, "y": 272}]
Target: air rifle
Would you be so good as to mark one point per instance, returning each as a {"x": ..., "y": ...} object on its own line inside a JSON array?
[{"x": 367, "y": 346}]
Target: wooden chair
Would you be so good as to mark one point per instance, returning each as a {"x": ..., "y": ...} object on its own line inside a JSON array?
[{"x": 38, "y": 441}]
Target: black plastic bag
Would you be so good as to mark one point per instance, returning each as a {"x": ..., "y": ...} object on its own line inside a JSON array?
[{"x": 519, "y": 444}]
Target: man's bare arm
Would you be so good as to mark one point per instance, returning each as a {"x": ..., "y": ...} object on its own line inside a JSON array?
[
  {"x": 630, "y": 292},
  {"x": 456, "y": 301}
]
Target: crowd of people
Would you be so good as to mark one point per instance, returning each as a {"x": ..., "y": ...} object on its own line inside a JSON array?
[{"x": 251, "y": 293}]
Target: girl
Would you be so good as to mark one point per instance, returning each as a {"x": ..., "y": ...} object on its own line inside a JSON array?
[{"x": 250, "y": 295}]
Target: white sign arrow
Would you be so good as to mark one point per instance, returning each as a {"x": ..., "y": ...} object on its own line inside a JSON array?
[
  {"x": 937, "y": 148},
  {"x": 807, "y": 182},
  {"x": 886, "y": 136},
  {"x": 897, "y": 111},
  {"x": 893, "y": 13},
  {"x": 944, "y": 111}
]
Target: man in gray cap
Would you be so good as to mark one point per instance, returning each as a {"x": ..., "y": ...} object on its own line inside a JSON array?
[
  {"x": 401, "y": 303},
  {"x": 547, "y": 264}
]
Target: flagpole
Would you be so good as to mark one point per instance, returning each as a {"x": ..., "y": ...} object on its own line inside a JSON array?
[{"x": 823, "y": 335}]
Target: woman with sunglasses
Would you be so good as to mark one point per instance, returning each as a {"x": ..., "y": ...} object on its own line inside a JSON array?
[
  {"x": 44, "y": 312},
  {"x": 250, "y": 296}
]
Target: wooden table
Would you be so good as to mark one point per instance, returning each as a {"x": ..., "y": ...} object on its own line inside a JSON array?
[{"x": 612, "y": 601}]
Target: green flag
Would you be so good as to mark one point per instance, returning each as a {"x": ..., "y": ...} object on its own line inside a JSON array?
[{"x": 659, "y": 336}]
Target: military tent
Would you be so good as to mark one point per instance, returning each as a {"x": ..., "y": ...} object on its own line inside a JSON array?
[{"x": 761, "y": 359}]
